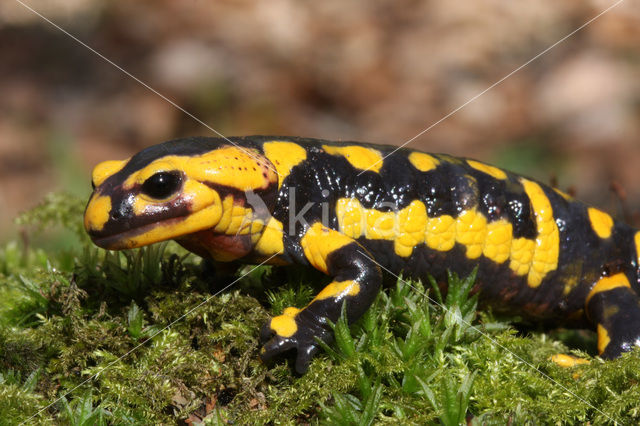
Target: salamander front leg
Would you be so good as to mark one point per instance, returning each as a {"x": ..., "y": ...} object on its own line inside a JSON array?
[
  {"x": 615, "y": 309},
  {"x": 356, "y": 282}
]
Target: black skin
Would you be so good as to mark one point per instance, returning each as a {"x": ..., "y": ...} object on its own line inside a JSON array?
[
  {"x": 451, "y": 188},
  {"x": 618, "y": 311}
]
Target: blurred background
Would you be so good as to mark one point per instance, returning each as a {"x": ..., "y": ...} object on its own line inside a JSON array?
[{"x": 377, "y": 71}]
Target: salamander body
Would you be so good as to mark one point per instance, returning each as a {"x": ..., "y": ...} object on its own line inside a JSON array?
[{"x": 347, "y": 210}]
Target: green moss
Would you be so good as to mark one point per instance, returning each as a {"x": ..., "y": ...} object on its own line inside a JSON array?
[
  {"x": 18, "y": 404},
  {"x": 143, "y": 337}
]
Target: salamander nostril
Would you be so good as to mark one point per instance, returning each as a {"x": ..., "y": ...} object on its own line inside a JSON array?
[{"x": 116, "y": 214}]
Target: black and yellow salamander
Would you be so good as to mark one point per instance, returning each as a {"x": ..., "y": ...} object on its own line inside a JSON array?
[{"x": 349, "y": 211}]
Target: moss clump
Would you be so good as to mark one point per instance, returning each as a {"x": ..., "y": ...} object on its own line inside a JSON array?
[{"x": 90, "y": 337}]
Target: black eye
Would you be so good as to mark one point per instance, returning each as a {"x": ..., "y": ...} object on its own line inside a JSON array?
[{"x": 162, "y": 184}]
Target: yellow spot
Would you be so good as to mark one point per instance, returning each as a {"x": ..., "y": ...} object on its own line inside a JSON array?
[
  {"x": 360, "y": 157},
  {"x": 97, "y": 213},
  {"x": 547, "y": 244},
  {"x": 608, "y": 283},
  {"x": 603, "y": 339},
  {"x": 568, "y": 361},
  {"x": 238, "y": 168},
  {"x": 319, "y": 242},
  {"x": 423, "y": 162},
  {"x": 497, "y": 246},
  {"x": 471, "y": 231},
  {"x": 285, "y": 325},
  {"x": 284, "y": 156},
  {"x": 270, "y": 241},
  {"x": 106, "y": 169},
  {"x": 339, "y": 289},
  {"x": 490, "y": 170},
  {"x": 601, "y": 222}
]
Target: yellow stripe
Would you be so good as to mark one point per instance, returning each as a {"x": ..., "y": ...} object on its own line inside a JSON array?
[
  {"x": 319, "y": 242},
  {"x": 608, "y": 283},
  {"x": 410, "y": 227},
  {"x": 547, "y": 248},
  {"x": 337, "y": 289}
]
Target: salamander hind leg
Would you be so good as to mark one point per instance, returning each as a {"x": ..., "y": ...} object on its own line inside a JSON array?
[
  {"x": 356, "y": 282},
  {"x": 614, "y": 307}
]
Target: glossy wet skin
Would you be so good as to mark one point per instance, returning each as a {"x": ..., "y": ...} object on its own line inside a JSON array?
[
  {"x": 169, "y": 191},
  {"x": 344, "y": 209}
]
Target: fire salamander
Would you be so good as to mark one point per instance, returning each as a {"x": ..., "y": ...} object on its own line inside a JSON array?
[{"x": 349, "y": 211}]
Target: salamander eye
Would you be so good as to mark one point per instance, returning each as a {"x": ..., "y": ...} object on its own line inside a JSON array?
[{"x": 162, "y": 184}]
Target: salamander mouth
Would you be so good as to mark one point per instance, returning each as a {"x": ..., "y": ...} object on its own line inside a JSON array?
[{"x": 126, "y": 239}]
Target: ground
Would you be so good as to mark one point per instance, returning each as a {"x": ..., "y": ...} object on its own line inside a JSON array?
[{"x": 147, "y": 336}]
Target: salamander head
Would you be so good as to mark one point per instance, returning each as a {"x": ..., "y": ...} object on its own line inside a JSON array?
[{"x": 175, "y": 189}]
